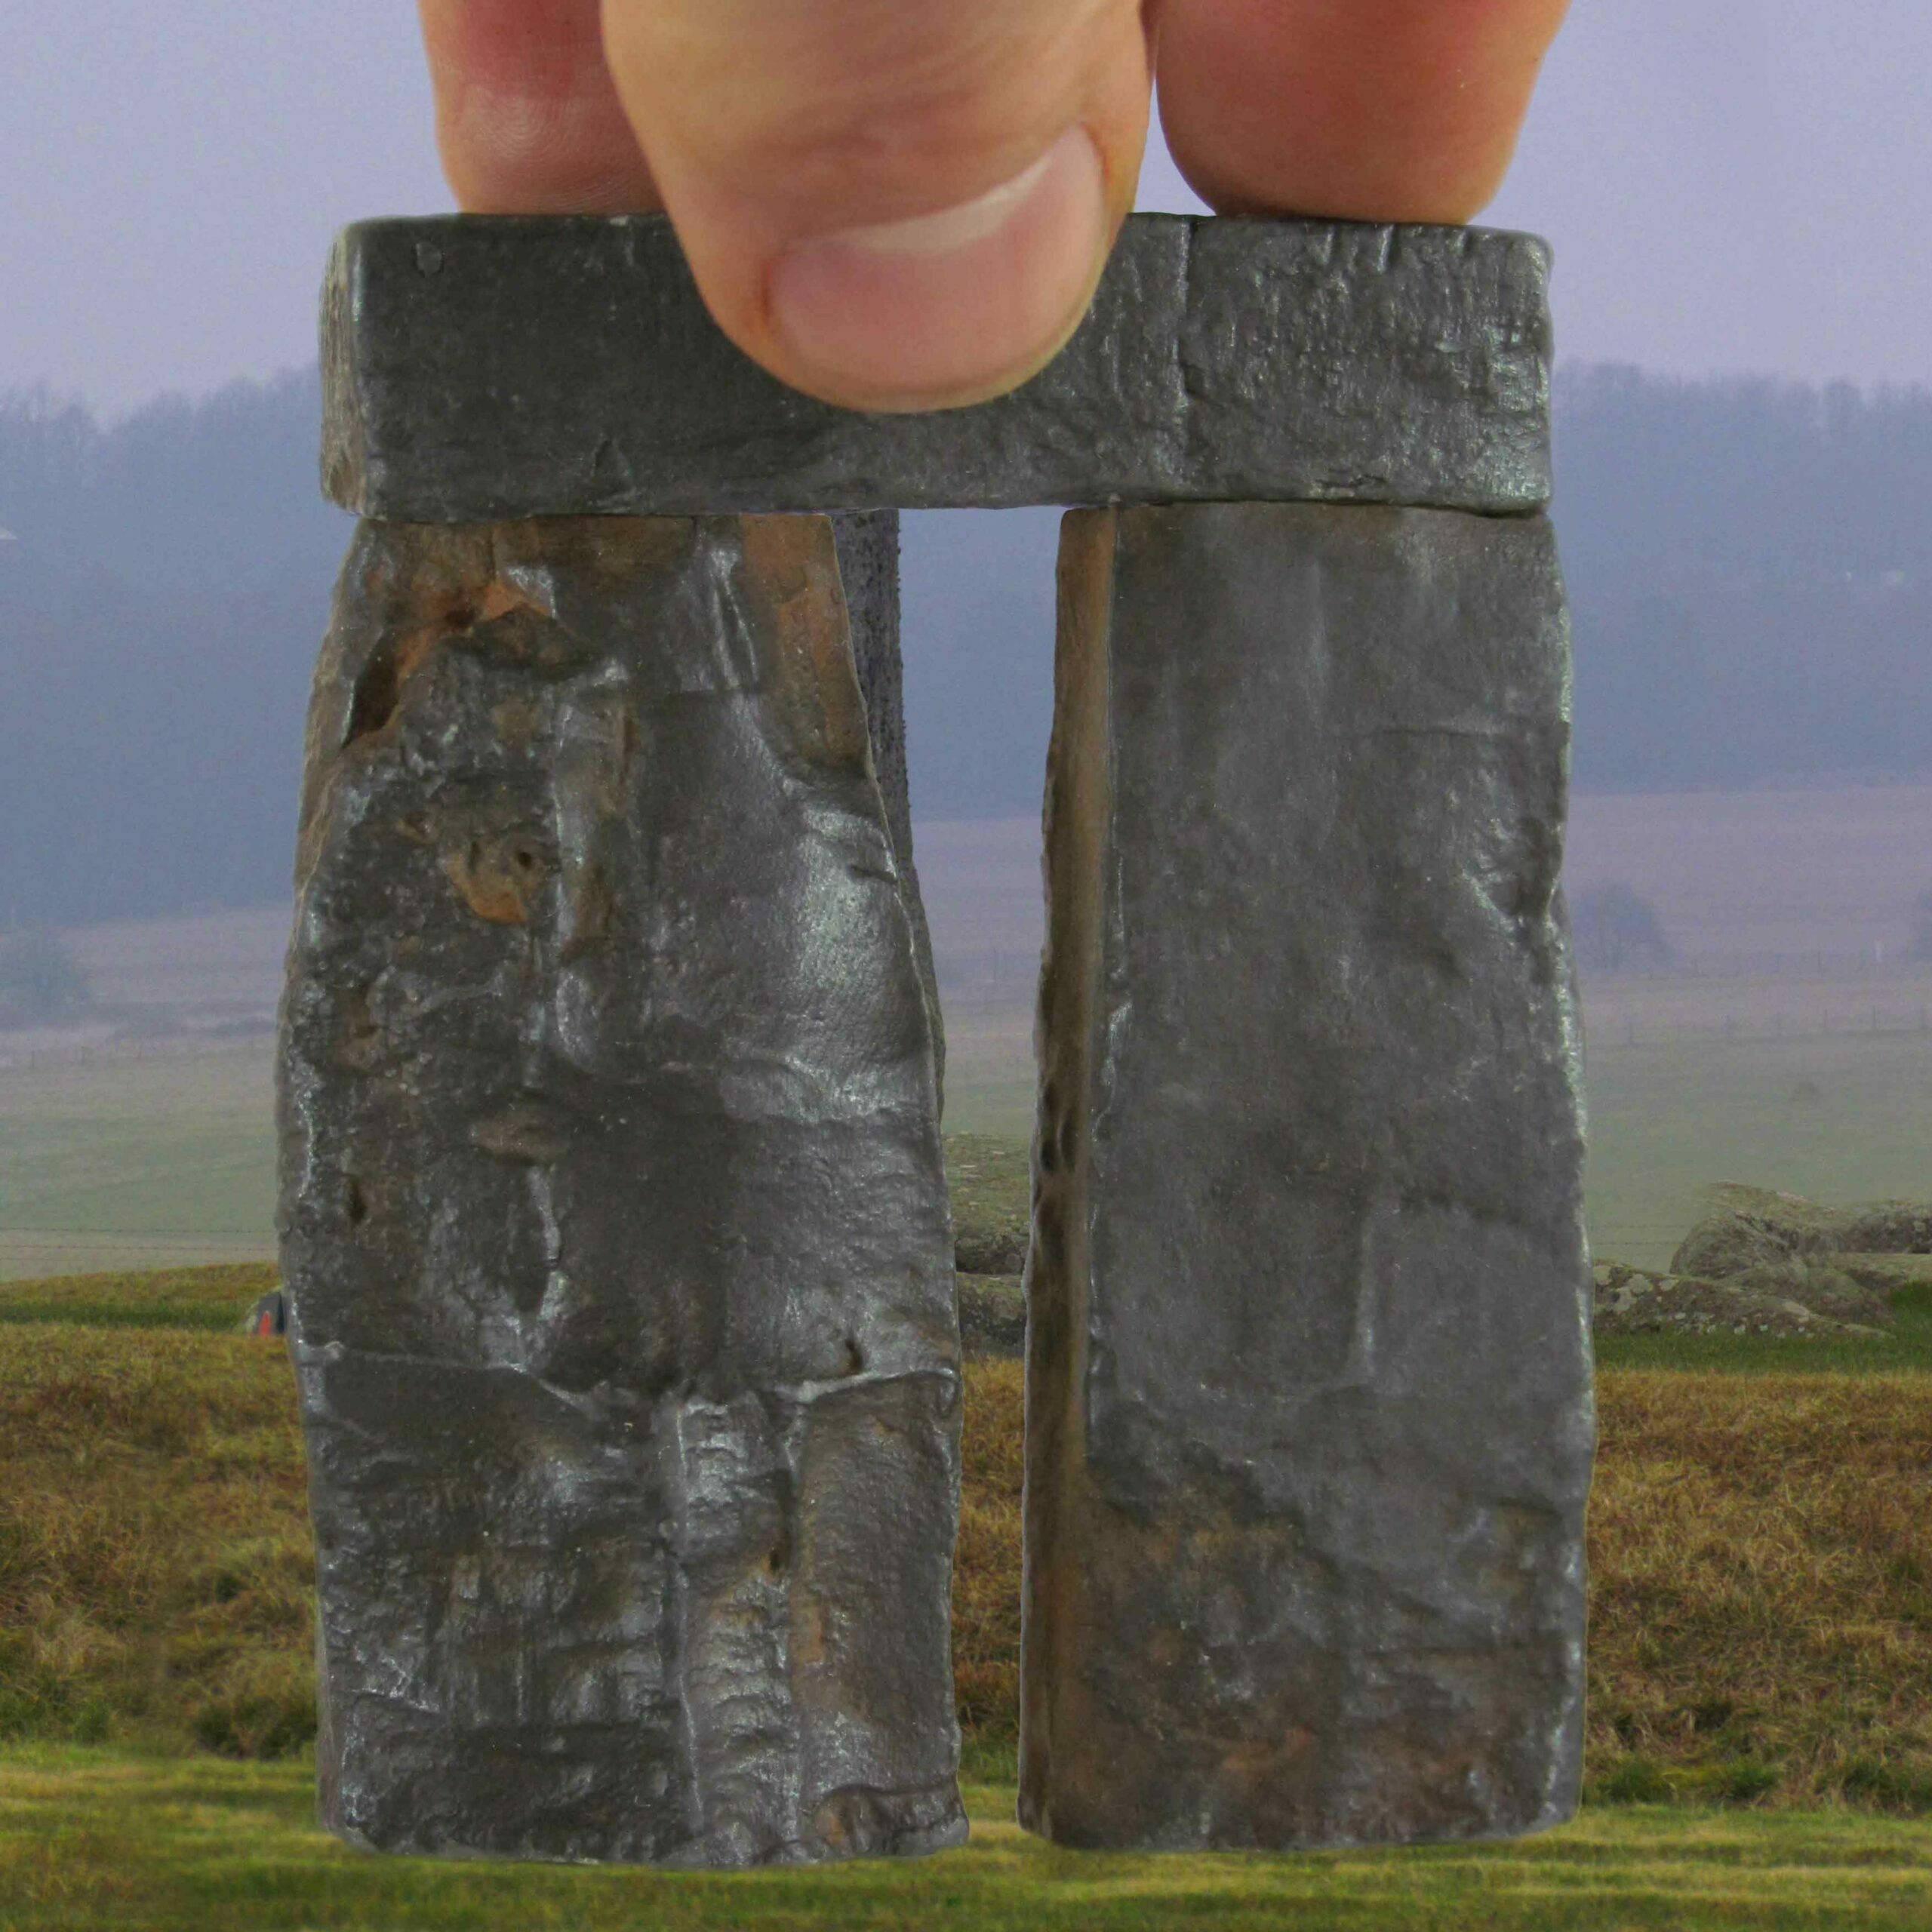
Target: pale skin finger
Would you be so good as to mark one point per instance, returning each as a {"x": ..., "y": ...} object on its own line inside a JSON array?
[
  {"x": 1372, "y": 110},
  {"x": 904, "y": 203},
  {"x": 527, "y": 118},
  {"x": 894, "y": 203}
]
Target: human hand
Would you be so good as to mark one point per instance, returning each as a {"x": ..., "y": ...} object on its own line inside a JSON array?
[{"x": 906, "y": 203}]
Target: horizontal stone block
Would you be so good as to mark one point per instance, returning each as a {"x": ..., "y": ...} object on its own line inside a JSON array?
[
  {"x": 479, "y": 368},
  {"x": 614, "y": 1219},
  {"x": 1309, "y": 1420}
]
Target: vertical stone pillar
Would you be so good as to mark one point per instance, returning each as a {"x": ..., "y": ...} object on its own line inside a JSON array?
[
  {"x": 868, "y": 546},
  {"x": 1308, "y": 1412},
  {"x": 614, "y": 1221}
]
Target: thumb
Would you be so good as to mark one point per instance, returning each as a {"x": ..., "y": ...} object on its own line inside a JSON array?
[{"x": 892, "y": 203}]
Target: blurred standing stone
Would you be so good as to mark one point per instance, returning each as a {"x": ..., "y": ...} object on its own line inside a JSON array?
[
  {"x": 614, "y": 1214},
  {"x": 614, "y": 1218},
  {"x": 1309, "y": 1419}
]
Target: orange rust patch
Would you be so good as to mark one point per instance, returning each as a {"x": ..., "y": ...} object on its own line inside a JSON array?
[
  {"x": 809, "y": 1647},
  {"x": 499, "y": 877},
  {"x": 793, "y": 567},
  {"x": 499, "y": 600}
]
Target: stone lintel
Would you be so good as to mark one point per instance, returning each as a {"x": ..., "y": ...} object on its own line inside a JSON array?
[{"x": 477, "y": 368}]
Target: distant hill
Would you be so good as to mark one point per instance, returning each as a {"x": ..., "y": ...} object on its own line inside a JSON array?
[{"x": 1749, "y": 567}]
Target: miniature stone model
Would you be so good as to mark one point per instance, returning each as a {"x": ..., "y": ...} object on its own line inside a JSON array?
[
  {"x": 1309, "y": 1416},
  {"x": 615, "y": 1225},
  {"x": 540, "y": 366},
  {"x": 615, "y": 1219}
]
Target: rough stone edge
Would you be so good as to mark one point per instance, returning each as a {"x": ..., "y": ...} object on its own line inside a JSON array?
[
  {"x": 355, "y": 474},
  {"x": 328, "y": 739},
  {"x": 867, "y": 545},
  {"x": 1077, "y": 824},
  {"x": 1058, "y": 1282}
]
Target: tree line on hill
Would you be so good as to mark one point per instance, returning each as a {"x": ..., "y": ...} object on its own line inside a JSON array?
[
  {"x": 1748, "y": 563},
  {"x": 1750, "y": 567}
]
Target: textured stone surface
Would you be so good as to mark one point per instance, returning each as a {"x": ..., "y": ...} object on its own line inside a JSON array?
[
  {"x": 1637, "y": 1301},
  {"x": 1310, "y": 1416},
  {"x": 615, "y": 1220},
  {"x": 867, "y": 542},
  {"x": 484, "y": 367}
]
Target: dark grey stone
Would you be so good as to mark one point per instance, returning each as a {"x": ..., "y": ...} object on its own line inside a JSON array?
[
  {"x": 992, "y": 1316},
  {"x": 478, "y": 367},
  {"x": 614, "y": 1222},
  {"x": 1309, "y": 1420},
  {"x": 868, "y": 545}
]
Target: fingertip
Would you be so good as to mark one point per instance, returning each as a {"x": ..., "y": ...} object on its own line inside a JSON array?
[
  {"x": 1372, "y": 110},
  {"x": 921, "y": 230},
  {"x": 527, "y": 118},
  {"x": 951, "y": 307}
]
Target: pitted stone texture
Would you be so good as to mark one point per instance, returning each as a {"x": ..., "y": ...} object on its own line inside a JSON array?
[
  {"x": 1310, "y": 1416},
  {"x": 483, "y": 367},
  {"x": 613, "y": 1216}
]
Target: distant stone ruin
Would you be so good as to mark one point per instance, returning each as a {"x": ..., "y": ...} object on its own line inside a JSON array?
[{"x": 1766, "y": 1263}]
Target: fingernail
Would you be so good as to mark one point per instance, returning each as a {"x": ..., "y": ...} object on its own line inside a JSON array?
[{"x": 951, "y": 307}]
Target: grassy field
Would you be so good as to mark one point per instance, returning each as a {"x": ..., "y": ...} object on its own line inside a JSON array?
[
  {"x": 1761, "y": 1566},
  {"x": 209, "y": 1298},
  {"x": 123, "y": 1162},
  {"x": 111, "y": 1845},
  {"x": 1835, "y": 1117},
  {"x": 1760, "y": 1603},
  {"x": 170, "y": 1159}
]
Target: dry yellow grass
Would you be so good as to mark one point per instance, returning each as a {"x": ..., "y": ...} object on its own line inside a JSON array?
[
  {"x": 985, "y": 1575},
  {"x": 156, "y": 1564},
  {"x": 1761, "y": 1590},
  {"x": 1760, "y": 1553}
]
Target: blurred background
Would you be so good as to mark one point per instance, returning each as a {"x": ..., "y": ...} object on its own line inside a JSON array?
[{"x": 1740, "y": 195}]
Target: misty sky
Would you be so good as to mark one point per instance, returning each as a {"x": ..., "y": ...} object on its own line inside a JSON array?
[{"x": 1732, "y": 185}]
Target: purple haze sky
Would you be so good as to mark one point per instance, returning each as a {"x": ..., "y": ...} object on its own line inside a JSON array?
[{"x": 1732, "y": 185}]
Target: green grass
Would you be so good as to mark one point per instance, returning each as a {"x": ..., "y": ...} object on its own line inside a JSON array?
[
  {"x": 208, "y": 1298},
  {"x": 90, "y": 1839},
  {"x": 1001, "y": 1107},
  {"x": 1907, "y": 1349},
  {"x": 991, "y": 1182},
  {"x": 173, "y": 1159},
  {"x": 17, "y": 1310},
  {"x": 132, "y": 1161}
]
